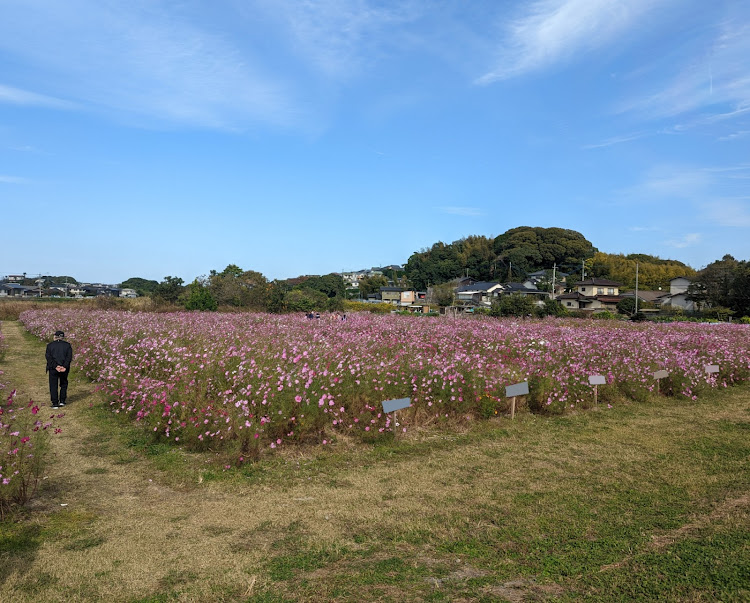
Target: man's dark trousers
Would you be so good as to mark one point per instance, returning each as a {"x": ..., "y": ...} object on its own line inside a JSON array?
[{"x": 54, "y": 378}]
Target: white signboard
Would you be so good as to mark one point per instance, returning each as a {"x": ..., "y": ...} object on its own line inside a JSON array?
[
  {"x": 393, "y": 405},
  {"x": 712, "y": 368},
  {"x": 597, "y": 380},
  {"x": 519, "y": 389},
  {"x": 661, "y": 374}
]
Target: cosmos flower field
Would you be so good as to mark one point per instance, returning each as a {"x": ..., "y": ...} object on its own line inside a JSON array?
[{"x": 255, "y": 382}]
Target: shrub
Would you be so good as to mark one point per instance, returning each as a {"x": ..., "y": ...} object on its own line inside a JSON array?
[
  {"x": 199, "y": 298},
  {"x": 24, "y": 450}
]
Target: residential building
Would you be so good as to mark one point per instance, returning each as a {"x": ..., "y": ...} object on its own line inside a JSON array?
[
  {"x": 478, "y": 294},
  {"x": 592, "y": 294},
  {"x": 678, "y": 295}
]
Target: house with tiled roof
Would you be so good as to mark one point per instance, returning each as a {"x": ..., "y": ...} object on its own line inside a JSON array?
[
  {"x": 479, "y": 293},
  {"x": 593, "y": 294}
]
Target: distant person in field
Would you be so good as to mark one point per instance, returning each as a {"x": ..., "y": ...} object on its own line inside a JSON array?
[{"x": 59, "y": 355}]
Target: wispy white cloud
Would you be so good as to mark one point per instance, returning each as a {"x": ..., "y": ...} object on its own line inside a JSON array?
[
  {"x": 714, "y": 195},
  {"x": 16, "y": 96},
  {"x": 143, "y": 58},
  {"x": 551, "y": 31},
  {"x": 735, "y": 135},
  {"x": 461, "y": 211},
  {"x": 713, "y": 81},
  {"x": 687, "y": 240},
  {"x": 339, "y": 37},
  {"x": 616, "y": 140}
]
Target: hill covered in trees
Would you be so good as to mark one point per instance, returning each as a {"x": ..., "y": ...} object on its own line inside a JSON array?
[
  {"x": 507, "y": 257},
  {"x": 519, "y": 251}
]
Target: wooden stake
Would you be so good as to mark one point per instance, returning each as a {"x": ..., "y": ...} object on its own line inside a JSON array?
[
  {"x": 596, "y": 395},
  {"x": 513, "y": 407}
]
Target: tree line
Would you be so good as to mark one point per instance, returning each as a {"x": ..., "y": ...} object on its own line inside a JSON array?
[
  {"x": 234, "y": 287},
  {"x": 509, "y": 257}
]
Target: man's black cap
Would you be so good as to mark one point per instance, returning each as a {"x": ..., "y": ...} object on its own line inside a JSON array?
[{"x": 59, "y": 334}]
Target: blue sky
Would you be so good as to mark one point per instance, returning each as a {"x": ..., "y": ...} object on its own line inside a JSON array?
[{"x": 153, "y": 137}]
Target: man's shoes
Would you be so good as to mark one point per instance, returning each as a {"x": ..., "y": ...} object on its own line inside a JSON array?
[
  {"x": 55, "y": 406},
  {"x": 61, "y": 403}
]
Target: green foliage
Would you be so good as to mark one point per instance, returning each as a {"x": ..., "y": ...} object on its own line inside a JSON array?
[
  {"x": 507, "y": 257},
  {"x": 306, "y": 300},
  {"x": 626, "y": 306},
  {"x": 199, "y": 297},
  {"x": 552, "y": 307},
  {"x": 653, "y": 272},
  {"x": 277, "y": 297},
  {"x": 515, "y": 304},
  {"x": 439, "y": 264},
  {"x": 24, "y": 450},
  {"x": 238, "y": 288},
  {"x": 356, "y": 306},
  {"x": 169, "y": 290},
  {"x": 141, "y": 286},
  {"x": 723, "y": 284},
  {"x": 330, "y": 284},
  {"x": 535, "y": 248},
  {"x": 442, "y": 295},
  {"x": 605, "y": 315},
  {"x": 372, "y": 284}
]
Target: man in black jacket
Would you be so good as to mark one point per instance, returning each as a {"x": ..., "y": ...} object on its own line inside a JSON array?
[{"x": 59, "y": 355}]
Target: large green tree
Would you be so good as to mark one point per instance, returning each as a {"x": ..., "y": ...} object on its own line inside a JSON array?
[
  {"x": 330, "y": 284},
  {"x": 433, "y": 266},
  {"x": 198, "y": 297},
  {"x": 724, "y": 283},
  {"x": 530, "y": 248},
  {"x": 170, "y": 289},
  {"x": 240, "y": 288},
  {"x": 371, "y": 284}
]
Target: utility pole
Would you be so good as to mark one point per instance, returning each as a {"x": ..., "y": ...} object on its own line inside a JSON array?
[
  {"x": 636, "y": 287},
  {"x": 554, "y": 269},
  {"x": 583, "y": 270}
]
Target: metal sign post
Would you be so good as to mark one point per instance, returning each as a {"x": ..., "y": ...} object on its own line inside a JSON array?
[
  {"x": 393, "y": 406},
  {"x": 596, "y": 381},
  {"x": 659, "y": 375},
  {"x": 512, "y": 392}
]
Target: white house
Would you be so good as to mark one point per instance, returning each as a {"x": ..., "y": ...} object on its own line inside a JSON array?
[{"x": 678, "y": 294}]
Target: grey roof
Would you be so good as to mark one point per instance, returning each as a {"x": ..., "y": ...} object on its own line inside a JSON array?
[
  {"x": 599, "y": 281},
  {"x": 521, "y": 288},
  {"x": 480, "y": 286}
]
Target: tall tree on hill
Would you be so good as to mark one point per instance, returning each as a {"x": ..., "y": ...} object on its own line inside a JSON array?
[
  {"x": 535, "y": 248},
  {"x": 438, "y": 264}
]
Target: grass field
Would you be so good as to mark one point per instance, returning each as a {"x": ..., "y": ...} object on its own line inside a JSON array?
[{"x": 641, "y": 502}]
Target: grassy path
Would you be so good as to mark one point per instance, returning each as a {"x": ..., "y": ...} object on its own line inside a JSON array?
[
  {"x": 109, "y": 529},
  {"x": 641, "y": 502}
]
